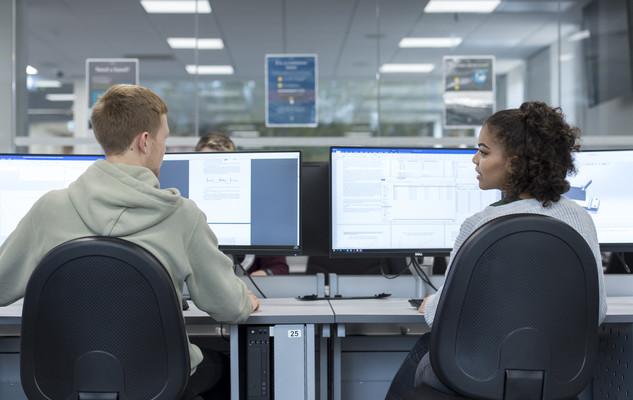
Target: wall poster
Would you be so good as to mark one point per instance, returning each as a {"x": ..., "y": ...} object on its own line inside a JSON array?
[
  {"x": 291, "y": 88},
  {"x": 469, "y": 90}
]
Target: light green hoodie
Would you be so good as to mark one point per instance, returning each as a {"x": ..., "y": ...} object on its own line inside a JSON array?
[{"x": 127, "y": 202}]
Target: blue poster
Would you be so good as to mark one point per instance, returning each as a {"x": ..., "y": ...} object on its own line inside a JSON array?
[{"x": 291, "y": 87}]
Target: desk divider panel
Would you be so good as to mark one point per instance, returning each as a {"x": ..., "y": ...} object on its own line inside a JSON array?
[
  {"x": 618, "y": 284},
  {"x": 286, "y": 285},
  {"x": 404, "y": 286}
]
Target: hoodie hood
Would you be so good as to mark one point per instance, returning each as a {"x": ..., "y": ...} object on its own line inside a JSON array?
[{"x": 116, "y": 199}]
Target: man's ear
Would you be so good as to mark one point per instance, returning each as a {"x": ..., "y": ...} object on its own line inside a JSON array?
[{"x": 142, "y": 140}]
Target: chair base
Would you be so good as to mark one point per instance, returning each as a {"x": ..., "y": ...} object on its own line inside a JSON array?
[{"x": 428, "y": 393}]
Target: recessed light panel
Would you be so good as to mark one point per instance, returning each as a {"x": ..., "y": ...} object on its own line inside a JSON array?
[
  {"x": 468, "y": 6},
  {"x": 190, "y": 43},
  {"x": 411, "y": 42},
  {"x": 210, "y": 69},
  {"x": 407, "y": 68},
  {"x": 176, "y": 7}
]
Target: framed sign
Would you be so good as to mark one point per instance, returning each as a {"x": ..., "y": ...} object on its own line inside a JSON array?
[
  {"x": 469, "y": 90},
  {"x": 102, "y": 73},
  {"x": 291, "y": 88}
]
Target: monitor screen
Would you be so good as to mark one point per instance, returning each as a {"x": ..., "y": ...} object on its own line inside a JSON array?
[
  {"x": 251, "y": 199},
  {"x": 602, "y": 186},
  {"x": 401, "y": 201},
  {"x": 24, "y": 178}
]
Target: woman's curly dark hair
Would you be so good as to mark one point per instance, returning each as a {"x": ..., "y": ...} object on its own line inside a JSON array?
[{"x": 538, "y": 143}]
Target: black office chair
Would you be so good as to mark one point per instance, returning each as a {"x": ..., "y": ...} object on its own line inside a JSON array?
[
  {"x": 518, "y": 317},
  {"x": 101, "y": 320}
]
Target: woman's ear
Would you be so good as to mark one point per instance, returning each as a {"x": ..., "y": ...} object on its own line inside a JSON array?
[{"x": 510, "y": 164}]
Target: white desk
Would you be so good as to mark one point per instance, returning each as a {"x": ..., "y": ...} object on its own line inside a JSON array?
[
  {"x": 614, "y": 375},
  {"x": 613, "y": 378},
  {"x": 620, "y": 310},
  {"x": 387, "y": 310}
]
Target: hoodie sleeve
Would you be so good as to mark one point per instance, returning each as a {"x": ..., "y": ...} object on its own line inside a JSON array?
[
  {"x": 17, "y": 264},
  {"x": 212, "y": 284},
  {"x": 23, "y": 250}
]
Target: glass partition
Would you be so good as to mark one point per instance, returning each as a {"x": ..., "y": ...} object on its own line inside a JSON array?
[{"x": 382, "y": 72}]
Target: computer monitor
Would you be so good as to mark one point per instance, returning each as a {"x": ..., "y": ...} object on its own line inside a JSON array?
[
  {"x": 24, "y": 178},
  {"x": 389, "y": 202},
  {"x": 602, "y": 185},
  {"x": 251, "y": 199}
]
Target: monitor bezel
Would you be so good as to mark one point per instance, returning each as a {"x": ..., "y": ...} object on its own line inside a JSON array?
[
  {"x": 44, "y": 156},
  {"x": 261, "y": 250},
  {"x": 387, "y": 252}
]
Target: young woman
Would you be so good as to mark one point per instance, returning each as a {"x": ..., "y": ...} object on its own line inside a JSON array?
[{"x": 526, "y": 153}]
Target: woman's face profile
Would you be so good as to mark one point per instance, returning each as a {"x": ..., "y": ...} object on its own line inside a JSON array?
[{"x": 490, "y": 161}]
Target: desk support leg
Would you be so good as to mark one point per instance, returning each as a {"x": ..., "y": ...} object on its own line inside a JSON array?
[
  {"x": 235, "y": 367},
  {"x": 336, "y": 361},
  {"x": 323, "y": 362}
]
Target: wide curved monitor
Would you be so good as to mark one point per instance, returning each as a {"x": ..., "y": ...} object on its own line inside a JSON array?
[
  {"x": 602, "y": 185},
  {"x": 388, "y": 202},
  {"x": 251, "y": 199}
]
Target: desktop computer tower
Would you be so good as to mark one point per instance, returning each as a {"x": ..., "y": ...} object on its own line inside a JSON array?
[{"x": 258, "y": 363}]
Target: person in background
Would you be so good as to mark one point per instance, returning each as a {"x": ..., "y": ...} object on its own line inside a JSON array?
[
  {"x": 526, "y": 153},
  {"x": 262, "y": 266},
  {"x": 120, "y": 196},
  {"x": 215, "y": 141}
]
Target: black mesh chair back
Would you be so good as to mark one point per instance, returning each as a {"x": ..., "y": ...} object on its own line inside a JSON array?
[
  {"x": 518, "y": 317},
  {"x": 101, "y": 320}
]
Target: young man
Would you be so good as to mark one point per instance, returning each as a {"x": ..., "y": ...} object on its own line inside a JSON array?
[{"x": 120, "y": 196}]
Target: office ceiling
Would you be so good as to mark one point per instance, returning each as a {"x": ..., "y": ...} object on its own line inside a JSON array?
[{"x": 349, "y": 39}]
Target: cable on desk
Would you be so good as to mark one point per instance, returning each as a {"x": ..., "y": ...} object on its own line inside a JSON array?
[
  {"x": 237, "y": 265},
  {"x": 222, "y": 333}
]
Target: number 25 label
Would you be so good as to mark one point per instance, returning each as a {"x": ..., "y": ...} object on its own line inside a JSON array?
[{"x": 294, "y": 333}]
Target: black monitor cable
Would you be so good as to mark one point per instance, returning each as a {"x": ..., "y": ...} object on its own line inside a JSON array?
[
  {"x": 384, "y": 274},
  {"x": 420, "y": 271},
  {"x": 416, "y": 266},
  {"x": 237, "y": 267},
  {"x": 620, "y": 257}
]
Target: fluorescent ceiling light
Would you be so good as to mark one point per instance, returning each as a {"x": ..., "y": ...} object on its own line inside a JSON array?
[
  {"x": 464, "y": 6},
  {"x": 580, "y": 36},
  {"x": 430, "y": 42},
  {"x": 31, "y": 70},
  {"x": 190, "y": 43},
  {"x": 47, "y": 84},
  {"x": 60, "y": 97},
  {"x": 409, "y": 68},
  {"x": 210, "y": 69},
  {"x": 566, "y": 57},
  {"x": 176, "y": 7}
]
